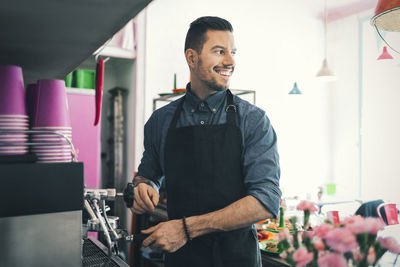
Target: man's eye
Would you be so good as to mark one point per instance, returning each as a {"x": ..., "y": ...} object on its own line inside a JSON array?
[
  {"x": 233, "y": 53},
  {"x": 220, "y": 52}
]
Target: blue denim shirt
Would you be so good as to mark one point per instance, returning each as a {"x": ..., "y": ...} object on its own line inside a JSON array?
[{"x": 260, "y": 157}]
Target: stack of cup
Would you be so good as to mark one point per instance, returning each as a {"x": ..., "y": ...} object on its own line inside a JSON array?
[
  {"x": 14, "y": 120},
  {"x": 50, "y": 118}
]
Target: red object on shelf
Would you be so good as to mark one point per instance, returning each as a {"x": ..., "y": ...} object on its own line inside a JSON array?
[
  {"x": 99, "y": 88},
  {"x": 391, "y": 213},
  {"x": 333, "y": 216}
]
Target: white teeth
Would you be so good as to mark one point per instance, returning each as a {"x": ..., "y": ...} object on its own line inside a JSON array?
[{"x": 228, "y": 73}]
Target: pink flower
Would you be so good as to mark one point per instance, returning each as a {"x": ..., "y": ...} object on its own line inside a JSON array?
[
  {"x": 310, "y": 234},
  {"x": 319, "y": 245},
  {"x": 357, "y": 227},
  {"x": 390, "y": 244},
  {"x": 374, "y": 225},
  {"x": 306, "y": 205},
  {"x": 322, "y": 253},
  {"x": 322, "y": 230},
  {"x": 357, "y": 256},
  {"x": 368, "y": 225},
  {"x": 341, "y": 240},
  {"x": 302, "y": 257},
  {"x": 352, "y": 219},
  {"x": 284, "y": 234},
  {"x": 332, "y": 260},
  {"x": 283, "y": 255},
  {"x": 371, "y": 256}
]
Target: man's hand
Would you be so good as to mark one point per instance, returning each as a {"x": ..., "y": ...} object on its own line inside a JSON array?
[
  {"x": 168, "y": 236},
  {"x": 145, "y": 198}
]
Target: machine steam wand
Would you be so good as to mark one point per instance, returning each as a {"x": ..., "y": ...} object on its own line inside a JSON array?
[
  {"x": 102, "y": 224},
  {"x": 95, "y": 204},
  {"x": 96, "y": 198},
  {"x": 115, "y": 235}
]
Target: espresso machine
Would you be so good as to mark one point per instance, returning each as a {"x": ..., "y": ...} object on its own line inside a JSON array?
[
  {"x": 95, "y": 205},
  {"x": 41, "y": 215},
  {"x": 106, "y": 226}
]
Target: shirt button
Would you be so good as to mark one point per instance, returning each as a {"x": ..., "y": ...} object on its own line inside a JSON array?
[
  {"x": 214, "y": 110},
  {"x": 202, "y": 104},
  {"x": 192, "y": 109},
  {"x": 201, "y": 122}
]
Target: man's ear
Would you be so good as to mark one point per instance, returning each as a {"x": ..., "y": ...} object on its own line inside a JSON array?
[{"x": 191, "y": 57}]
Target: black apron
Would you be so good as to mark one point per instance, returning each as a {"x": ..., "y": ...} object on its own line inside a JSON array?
[{"x": 203, "y": 173}]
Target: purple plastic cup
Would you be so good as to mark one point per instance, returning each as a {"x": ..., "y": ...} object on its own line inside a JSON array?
[
  {"x": 12, "y": 94},
  {"x": 51, "y": 106},
  {"x": 51, "y": 148}
]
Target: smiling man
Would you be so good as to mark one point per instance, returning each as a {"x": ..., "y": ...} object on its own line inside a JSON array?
[
  {"x": 212, "y": 66},
  {"x": 219, "y": 158}
]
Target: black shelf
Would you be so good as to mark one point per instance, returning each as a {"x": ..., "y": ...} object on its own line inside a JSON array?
[{"x": 49, "y": 39}]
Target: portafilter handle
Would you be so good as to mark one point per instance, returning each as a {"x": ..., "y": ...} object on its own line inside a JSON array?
[{"x": 129, "y": 195}]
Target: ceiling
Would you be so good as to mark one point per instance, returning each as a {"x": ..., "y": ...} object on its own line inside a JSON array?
[{"x": 338, "y": 9}]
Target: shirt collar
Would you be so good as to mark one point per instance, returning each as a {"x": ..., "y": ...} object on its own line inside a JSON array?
[{"x": 213, "y": 101}]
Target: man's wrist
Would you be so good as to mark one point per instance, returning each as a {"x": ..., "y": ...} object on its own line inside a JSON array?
[
  {"x": 140, "y": 179},
  {"x": 199, "y": 225},
  {"x": 185, "y": 229}
]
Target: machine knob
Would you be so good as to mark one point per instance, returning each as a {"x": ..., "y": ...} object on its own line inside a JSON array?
[{"x": 128, "y": 195}]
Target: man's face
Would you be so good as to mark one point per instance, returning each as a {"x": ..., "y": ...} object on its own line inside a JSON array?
[{"x": 216, "y": 61}]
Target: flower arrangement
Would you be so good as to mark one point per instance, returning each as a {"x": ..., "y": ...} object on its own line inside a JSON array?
[{"x": 353, "y": 242}]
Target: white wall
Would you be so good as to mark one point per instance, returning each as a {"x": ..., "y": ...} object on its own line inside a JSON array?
[
  {"x": 365, "y": 160},
  {"x": 279, "y": 42},
  {"x": 343, "y": 47}
]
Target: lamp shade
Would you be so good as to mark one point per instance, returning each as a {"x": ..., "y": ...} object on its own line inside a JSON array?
[
  {"x": 295, "y": 90},
  {"x": 325, "y": 74},
  {"x": 385, "y": 54},
  {"x": 325, "y": 71},
  {"x": 387, "y": 15}
]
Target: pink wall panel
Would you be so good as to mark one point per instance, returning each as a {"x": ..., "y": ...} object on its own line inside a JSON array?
[{"x": 86, "y": 136}]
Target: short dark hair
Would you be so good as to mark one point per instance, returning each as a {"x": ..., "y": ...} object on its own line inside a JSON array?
[{"x": 195, "y": 37}]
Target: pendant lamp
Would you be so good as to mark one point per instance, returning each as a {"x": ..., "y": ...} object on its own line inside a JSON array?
[
  {"x": 385, "y": 54},
  {"x": 325, "y": 73},
  {"x": 295, "y": 90},
  {"x": 387, "y": 17}
]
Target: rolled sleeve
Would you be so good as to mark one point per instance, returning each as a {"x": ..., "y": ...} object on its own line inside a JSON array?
[
  {"x": 261, "y": 161},
  {"x": 150, "y": 164}
]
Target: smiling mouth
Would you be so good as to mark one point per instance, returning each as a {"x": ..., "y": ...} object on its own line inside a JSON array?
[{"x": 226, "y": 73}]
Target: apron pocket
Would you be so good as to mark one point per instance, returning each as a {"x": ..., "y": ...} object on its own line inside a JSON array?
[{"x": 240, "y": 246}]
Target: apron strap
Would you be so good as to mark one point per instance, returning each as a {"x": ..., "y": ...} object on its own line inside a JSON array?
[
  {"x": 230, "y": 109},
  {"x": 177, "y": 113}
]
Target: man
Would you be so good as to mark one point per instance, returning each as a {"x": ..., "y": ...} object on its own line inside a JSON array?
[{"x": 219, "y": 158}]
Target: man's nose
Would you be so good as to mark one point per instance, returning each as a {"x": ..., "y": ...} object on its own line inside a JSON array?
[{"x": 229, "y": 60}]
